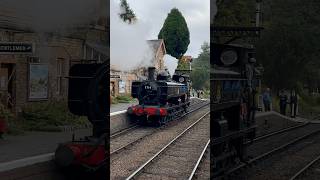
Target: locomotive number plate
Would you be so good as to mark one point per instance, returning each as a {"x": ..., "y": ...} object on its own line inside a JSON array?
[{"x": 147, "y": 87}]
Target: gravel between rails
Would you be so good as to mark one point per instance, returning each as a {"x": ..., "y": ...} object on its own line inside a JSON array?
[
  {"x": 313, "y": 173},
  {"x": 127, "y": 138},
  {"x": 270, "y": 143},
  {"x": 135, "y": 134},
  {"x": 203, "y": 171},
  {"x": 122, "y": 164},
  {"x": 179, "y": 159},
  {"x": 286, "y": 163}
]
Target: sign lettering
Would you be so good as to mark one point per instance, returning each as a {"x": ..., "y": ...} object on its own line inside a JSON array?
[{"x": 15, "y": 47}]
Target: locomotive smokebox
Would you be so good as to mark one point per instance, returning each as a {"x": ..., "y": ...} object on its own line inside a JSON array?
[{"x": 151, "y": 73}]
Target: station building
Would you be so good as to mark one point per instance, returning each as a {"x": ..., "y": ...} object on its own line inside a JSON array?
[
  {"x": 120, "y": 81},
  {"x": 34, "y": 66}
]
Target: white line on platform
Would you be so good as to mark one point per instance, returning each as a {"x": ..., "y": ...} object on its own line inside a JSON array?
[
  {"x": 198, "y": 98},
  {"x": 7, "y": 166},
  {"x": 118, "y": 112}
]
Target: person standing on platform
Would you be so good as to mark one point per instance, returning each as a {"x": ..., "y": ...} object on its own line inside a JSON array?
[
  {"x": 266, "y": 97},
  {"x": 293, "y": 103},
  {"x": 283, "y": 102}
]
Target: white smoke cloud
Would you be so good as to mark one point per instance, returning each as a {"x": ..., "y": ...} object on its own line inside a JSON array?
[
  {"x": 128, "y": 46},
  {"x": 171, "y": 63},
  {"x": 51, "y": 15}
]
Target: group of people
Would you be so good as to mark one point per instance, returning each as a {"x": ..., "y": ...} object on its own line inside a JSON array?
[
  {"x": 197, "y": 93},
  {"x": 283, "y": 101}
]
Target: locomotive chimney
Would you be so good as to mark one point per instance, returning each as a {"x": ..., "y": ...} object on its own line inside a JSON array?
[{"x": 151, "y": 73}]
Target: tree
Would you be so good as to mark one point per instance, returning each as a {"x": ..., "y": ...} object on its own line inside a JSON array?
[
  {"x": 235, "y": 13},
  {"x": 289, "y": 43},
  {"x": 183, "y": 65},
  {"x": 175, "y": 34},
  {"x": 127, "y": 13},
  {"x": 200, "y": 75},
  {"x": 288, "y": 48}
]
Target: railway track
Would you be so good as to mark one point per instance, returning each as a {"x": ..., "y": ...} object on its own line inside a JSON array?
[
  {"x": 269, "y": 154},
  {"x": 130, "y": 137},
  {"x": 125, "y": 161},
  {"x": 202, "y": 168},
  {"x": 262, "y": 137},
  {"x": 136, "y": 125},
  {"x": 266, "y": 143},
  {"x": 302, "y": 173},
  {"x": 168, "y": 162}
]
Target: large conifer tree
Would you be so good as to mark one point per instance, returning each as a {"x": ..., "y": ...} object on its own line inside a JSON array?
[{"x": 175, "y": 34}]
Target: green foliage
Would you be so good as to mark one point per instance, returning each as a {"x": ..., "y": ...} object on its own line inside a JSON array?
[
  {"x": 288, "y": 48},
  {"x": 8, "y": 117},
  {"x": 114, "y": 100},
  {"x": 124, "y": 99},
  {"x": 290, "y": 43},
  {"x": 127, "y": 14},
  {"x": 235, "y": 13},
  {"x": 47, "y": 116},
  {"x": 175, "y": 34},
  {"x": 182, "y": 65},
  {"x": 200, "y": 75}
]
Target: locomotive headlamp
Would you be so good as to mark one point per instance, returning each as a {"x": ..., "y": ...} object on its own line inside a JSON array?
[{"x": 229, "y": 57}]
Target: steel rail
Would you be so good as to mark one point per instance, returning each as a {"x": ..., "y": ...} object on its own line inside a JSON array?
[
  {"x": 199, "y": 160},
  {"x": 118, "y": 133},
  {"x": 138, "y": 171},
  {"x": 148, "y": 134},
  {"x": 305, "y": 168},
  {"x": 264, "y": 155},
  {"x": 277, "y": 132}
]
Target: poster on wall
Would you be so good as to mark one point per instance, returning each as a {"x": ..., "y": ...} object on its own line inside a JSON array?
[
  {"x": 38, "y": 81},
  {"x": 122, "y": 87}
]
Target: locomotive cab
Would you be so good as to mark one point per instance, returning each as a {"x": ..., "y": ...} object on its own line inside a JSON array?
[{"x": 233, "y": 79}]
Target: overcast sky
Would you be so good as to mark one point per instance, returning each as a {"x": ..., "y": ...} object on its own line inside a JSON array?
[{"x": 153, "y": 13}]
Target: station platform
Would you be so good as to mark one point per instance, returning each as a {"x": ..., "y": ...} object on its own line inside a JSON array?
[
  {"x": 32, "y": 147},
  {"x": 296, "y": 119},
  {"x": 121, "y": 106}
]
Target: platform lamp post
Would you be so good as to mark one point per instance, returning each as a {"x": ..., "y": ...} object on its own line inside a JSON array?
[{"x": 258, "y": 12}]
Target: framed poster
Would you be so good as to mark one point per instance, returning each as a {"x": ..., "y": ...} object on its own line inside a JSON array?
[
  {"x": 122, "y": 86},
  {"x": 38, "y": 81}
]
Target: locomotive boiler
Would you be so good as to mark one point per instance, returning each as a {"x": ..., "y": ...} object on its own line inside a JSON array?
[
  {"x": 233, "y": 92},
  {"x": 160, "y": 97}
]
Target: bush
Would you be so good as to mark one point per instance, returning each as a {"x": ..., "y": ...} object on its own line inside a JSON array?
[
  {"x": 124, "y": 99},
  {"x": 114, "y": 100},
  {"x": 48, "y": 116},
  {"x": 13, "y": 127}
]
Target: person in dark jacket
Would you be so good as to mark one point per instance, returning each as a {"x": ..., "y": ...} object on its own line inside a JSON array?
[
  {"x": 283, "y": 102},
  {"x": 266, "y": 97}
]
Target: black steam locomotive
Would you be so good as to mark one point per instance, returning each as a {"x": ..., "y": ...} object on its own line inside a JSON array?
[
  {"x": 88, "y": 96},
  {"x": 160, "y": 98},
  {"x": 234, "y": 79}
]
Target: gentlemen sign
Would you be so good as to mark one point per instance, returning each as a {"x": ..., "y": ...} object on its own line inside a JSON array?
[
  {"x": 14, "y": 47},
  {"x": 115, "y": 76}
]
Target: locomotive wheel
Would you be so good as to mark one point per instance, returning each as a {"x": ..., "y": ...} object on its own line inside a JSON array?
[{"x": 163, "y": 120}]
